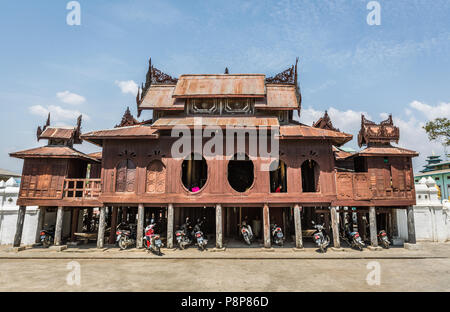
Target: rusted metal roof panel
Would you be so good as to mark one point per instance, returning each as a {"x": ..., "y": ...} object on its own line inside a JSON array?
[
  {"x": 96, "y": 155},
  {"x": 226, "y": 85},
  {"x": 168, "y": 123},
  {"x": 52, "y": 152},
  {"x": 387, "y": 151},
  {"x": 279, "y": 96},
  {"x": 299, "y": 131},
  {"x": 160, "y": 96},
  {"x": 57, "y": 133},
  {"x": 132, "y": 131}
]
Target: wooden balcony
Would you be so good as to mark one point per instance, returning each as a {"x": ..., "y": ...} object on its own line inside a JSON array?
[{"x": 81, "y": 188}]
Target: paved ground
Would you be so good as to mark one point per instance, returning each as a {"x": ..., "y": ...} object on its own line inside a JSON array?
[
  {"x": 235, "y": 269},
  {"x": 225, "y": 275}
]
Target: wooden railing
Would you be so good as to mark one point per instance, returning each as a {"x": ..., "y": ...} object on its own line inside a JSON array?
[{"x": 82, "y": 188}]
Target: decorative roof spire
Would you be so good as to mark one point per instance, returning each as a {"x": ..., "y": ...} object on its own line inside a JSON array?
[
  {"x": 127, "y": 120},
  {"x": 226, "y": 70}
]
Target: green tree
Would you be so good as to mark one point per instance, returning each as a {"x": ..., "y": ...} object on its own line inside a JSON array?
[{"x": 439, "y": 130}]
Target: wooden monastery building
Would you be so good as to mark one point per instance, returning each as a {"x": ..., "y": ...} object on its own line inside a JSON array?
[{"x": 137, "y": 176}]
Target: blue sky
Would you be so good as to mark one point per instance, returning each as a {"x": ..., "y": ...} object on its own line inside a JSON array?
[{"x": 346, "y": 66}]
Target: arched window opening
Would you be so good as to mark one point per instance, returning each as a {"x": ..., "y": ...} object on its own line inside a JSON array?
[
  {"x": 278, "y": 180},
  {"x": 156, "y": 177},
  {"x": 310, "y": 176},
  {"x": 125, "y": 176},
  {"x": 240, "y": 173},
  {"x": 194, "y": 172}
]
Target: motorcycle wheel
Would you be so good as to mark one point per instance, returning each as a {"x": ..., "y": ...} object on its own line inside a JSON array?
[
  {"x": 360, "y": 247},
  {"x": 122, "y": 244},
  {"x": 321, "y": 249},
  {"x": 247, "y": 240},
  {"x": 47, "y": 241},
  {"x": 386, "y": 245}
]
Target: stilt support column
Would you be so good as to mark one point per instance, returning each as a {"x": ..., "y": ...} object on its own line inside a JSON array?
[
  {"x": 170, "y": 218},
  {"x": 298, "y": 227},
  {"x": 101, "y": 228}
]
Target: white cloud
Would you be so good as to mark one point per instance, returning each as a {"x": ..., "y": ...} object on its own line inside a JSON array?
[
  {"x": 128, "y": 86},
  {"x": 432, "y": 112},
  {"x": 57, "y": 113},
  {"x": 348, "y": 121},
  {"x": 412, "y": 135},
  {"x": 70, "y": 98}
]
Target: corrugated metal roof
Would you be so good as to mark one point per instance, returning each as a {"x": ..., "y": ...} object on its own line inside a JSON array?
[
  {"x": 279, "y": 96},
  {"x": 226, "y": 85},
  {"x": 160, "y": 96},
  {"x": 52, "y": 152},
  {"x": 387, "y": 151},
  {"x": 168, "y": 123},
  {"x": 57, "y": 133},
  {"x": 131, "y": 131},
  {"x": 299, "y": 131},
  {"x": 96, "y": 155}
]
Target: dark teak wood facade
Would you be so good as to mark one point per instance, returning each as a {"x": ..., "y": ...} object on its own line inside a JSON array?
[{"x": 137, "y": 167}]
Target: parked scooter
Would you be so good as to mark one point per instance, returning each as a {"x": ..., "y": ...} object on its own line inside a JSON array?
[
  {"x": 320, "y": 237},
  {"x": 353, "y": 238},
  {"x": 183, "y": 235},
  {"x": 383, "y": 239},
  {"x": 47, "y": 236},
  {"x": 198, "y": 234},
  {"x": 246, "y": 232},
  {"x": 277, "y": 235},
  {"x": 152, "y": 241},
  {"x": 126, "y": 237}
]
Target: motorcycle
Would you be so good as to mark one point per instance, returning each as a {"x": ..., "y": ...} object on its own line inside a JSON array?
[
  {"x": 246, "y": 233},
  {"x": 320, "y": 237},
  {"x": 201, "y": 241},
  {"x": 183, "y": 235},
  {"x": 47, "y": 237},
  {"x": 126, "y": 237},
  {"x": 354, "y": 239},
  {"x": 383, "y": 239},
  {"x": 277, "y": 235},
  {"x": 152, "y": 241}
]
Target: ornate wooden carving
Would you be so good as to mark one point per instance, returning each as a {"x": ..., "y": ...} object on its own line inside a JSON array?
[
  {"x": 39, "y": 130},
  {"x": 325, "y": 123},
  {"x": 125, "y": 176},
  {"x": 286, "y": 76},
  {"x": 153, "y": 76},
  {"x": 383, "y": 133},
  {"x": 156, "y": 177},
  {"x": 127, "y": 120},
  {"x": 76, "y": 136}
]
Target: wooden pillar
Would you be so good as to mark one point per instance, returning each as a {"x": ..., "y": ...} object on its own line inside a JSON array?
[
  {"x": 298, "y": 227},
  {"x": 394, "y": 222},
  {"x": 40, "y": 225},
  {"x": 74, "y": 227},
  {"x": 58, "y": 227},
  {"x": 219, "y": 234},
  {"x": 373, "y": 226},
  {"x": 101, "y": 227},
  {"x": 266, "y": 222},
  {"x": 411, "y": 226},
  {"x": 170, "y": 218},
  {"x": 124, "y": 214},
  {"x": 228, "y": 225},
  {"x": 335, "y": 227},
  {"x": 112, "y": 232},
  {"x": 19, "y": 225},
  {"x": 283, "y": 210},
  {"x": 140, "y": 226}
]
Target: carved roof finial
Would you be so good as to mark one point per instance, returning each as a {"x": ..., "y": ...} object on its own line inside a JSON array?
[
  {"x": 324, "y": 122},
  {"x": 127, "y": 120},
  {"x": 226, "y": 70}
]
